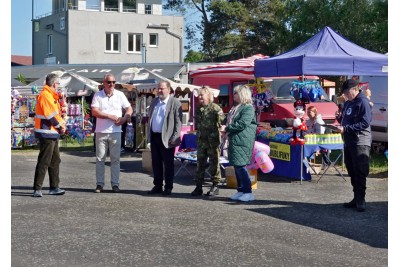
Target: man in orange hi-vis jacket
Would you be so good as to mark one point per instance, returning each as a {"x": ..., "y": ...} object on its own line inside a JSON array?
[{"x": 48, "y": 127}]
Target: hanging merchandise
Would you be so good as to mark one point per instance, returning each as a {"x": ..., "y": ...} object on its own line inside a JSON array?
[
  {"x": 307, "y": 91},
  {"x": 74, "y": 130},
  {"x": 29, "y": 137},
  {"x": 78, "y": 109},
  {"x": 130, "y": 135},
  {"x": 17, "y": 138},
  {"x": 22, "y": 121},
  {"x": 24, "y": 112},
  {"x": 261, "y": 95}
]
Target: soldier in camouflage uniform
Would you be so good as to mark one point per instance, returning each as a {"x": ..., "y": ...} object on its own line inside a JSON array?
[{"x": 208, "y": 119}]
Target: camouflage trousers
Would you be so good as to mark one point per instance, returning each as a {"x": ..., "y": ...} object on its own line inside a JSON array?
[{"x": 212, "y": 153}]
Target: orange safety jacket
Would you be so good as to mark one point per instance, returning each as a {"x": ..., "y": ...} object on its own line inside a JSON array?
[{"x": 48, "y": 115}]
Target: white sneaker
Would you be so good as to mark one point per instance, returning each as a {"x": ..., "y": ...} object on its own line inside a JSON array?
[
  {"x": 246, "y": 197},
  {"x": 37, "y": 193},
  {"x": 236, "y": 195}
]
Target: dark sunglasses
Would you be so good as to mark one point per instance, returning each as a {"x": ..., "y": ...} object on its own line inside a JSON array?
[{"x": 110, "y": 82}]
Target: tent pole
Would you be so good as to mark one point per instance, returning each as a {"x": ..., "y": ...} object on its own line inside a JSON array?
[
  {"x": 82, "y": 112},
  {"x": 83, "y": 120},
  {"x": 301, "y": 149},
  {"x": 193, "y": 112}
]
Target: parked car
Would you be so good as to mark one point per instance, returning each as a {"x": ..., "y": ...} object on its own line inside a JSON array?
[
  {"x": 379, "y": 98},
  {"x": 280, "y": 113}
]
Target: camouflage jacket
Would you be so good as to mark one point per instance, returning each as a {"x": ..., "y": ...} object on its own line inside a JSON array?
[{"x": 208, "y": 120}]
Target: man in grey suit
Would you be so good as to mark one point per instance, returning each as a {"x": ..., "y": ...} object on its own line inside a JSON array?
[{"x": 163, "y": 134}]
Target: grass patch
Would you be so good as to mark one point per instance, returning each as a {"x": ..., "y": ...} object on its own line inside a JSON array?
[{"x": 378, "y": 164}]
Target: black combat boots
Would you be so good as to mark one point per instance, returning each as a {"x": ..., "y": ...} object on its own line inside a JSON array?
[
  {"x": 351, "y": 204},
  {"x": 360, "y": 201},
  {"x": 198, "y": 191}
]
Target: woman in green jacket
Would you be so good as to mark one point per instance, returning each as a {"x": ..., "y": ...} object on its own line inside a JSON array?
[{"x": 241, "y": 132}]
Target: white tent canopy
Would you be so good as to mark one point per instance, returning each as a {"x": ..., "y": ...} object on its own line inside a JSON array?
[
  {"x": 73, "y": 84},
  {"x": 176, "y": 87}
]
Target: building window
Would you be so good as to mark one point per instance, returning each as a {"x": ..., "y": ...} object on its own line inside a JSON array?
[
  {"x": 153, "y": 40},
  {"x": 147, "y": 9},
  {"x": 37, "y": 26},
  {"x": 92, "y": 5},
  {"x": 112, "y": 42},
  {"x": 49, "y": 44},
  {"x": 129, "y": 5},
  {"x": 134, "y": 42},
  {"x": 111, "y": 5},
  {"x": 62, "y": 23}
]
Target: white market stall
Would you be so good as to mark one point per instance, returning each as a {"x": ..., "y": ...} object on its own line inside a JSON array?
[
  {"x": 141, "y": 94},
  {"x": 73, "y": 86}
]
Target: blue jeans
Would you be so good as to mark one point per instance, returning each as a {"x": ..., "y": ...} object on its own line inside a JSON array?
[{"x": 243, "y": 179}]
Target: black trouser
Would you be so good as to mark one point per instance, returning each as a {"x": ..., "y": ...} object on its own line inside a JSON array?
[
  {"x": 356, "y": 159},
  {"x": 162, "y": 160},
  {"x": 48, "y": 160}
]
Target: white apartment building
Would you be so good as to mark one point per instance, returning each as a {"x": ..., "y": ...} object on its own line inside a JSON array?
[{"x": 107, "y": 32}]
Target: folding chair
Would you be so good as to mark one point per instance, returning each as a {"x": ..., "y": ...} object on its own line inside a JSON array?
[
  {"x": 311, "y": 165},
  {"x": 185, "y": 160},
  {"x": 332, "y": 164}
]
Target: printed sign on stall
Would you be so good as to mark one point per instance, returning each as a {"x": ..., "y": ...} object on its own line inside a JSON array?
[{"x": 279, "y": 151}]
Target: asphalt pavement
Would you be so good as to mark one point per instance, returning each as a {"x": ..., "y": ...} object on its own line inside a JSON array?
[{"x": 289, "y": 224}]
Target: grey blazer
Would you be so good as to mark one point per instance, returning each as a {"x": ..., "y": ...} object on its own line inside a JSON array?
[{"x": 171, "y": 129}]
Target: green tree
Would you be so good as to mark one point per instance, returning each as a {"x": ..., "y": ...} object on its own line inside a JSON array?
[
  {"x": 187, "y": 8},
  {"x": 194, "y": 56},
  {"x": 21, "y": 78},
  {"x": 363, "y": 22},
  {"x": 245, "y": 27}
]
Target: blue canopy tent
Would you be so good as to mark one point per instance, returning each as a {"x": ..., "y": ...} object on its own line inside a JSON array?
[{"x": 326, "y": 53}]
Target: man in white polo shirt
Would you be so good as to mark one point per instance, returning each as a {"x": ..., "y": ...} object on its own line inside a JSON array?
[{"x": 107, "y": 107}]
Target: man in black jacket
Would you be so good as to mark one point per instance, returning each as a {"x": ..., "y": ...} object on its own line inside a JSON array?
[{"x": 356, "y": 131}]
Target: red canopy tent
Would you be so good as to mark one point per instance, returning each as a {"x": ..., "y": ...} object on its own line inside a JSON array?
[{"x": 240, "y": 68}]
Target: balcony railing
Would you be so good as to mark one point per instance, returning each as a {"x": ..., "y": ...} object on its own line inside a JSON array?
[
  {"x": 133, "y": 10},
  {"x": 93, "y": 7},
  {"x": 90, "y": 7},
  {"x": 107, "y": 8}
]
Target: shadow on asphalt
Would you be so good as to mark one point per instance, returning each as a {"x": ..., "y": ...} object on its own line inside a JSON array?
[
  {"x": 334, "y": 218},
  {"x": 331, "y": 218},
  {"x": 92, "y": 154}
]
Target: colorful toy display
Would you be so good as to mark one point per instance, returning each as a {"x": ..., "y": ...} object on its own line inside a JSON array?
[
  {"x": 307, "y": 91},
  {"x": 277, "y": 134},
  {"x": 264, "y": 162},
  {"x": 260, "y": 159},
  {"x": 22, "y": 121},
  {"x": 299, "y": 123}
]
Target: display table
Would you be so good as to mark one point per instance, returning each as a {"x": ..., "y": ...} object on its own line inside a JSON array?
[
  {"x": 188, "y": 141},
  {"x": 288, "y": 161},
  {"x": 187, "y": 154}
]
